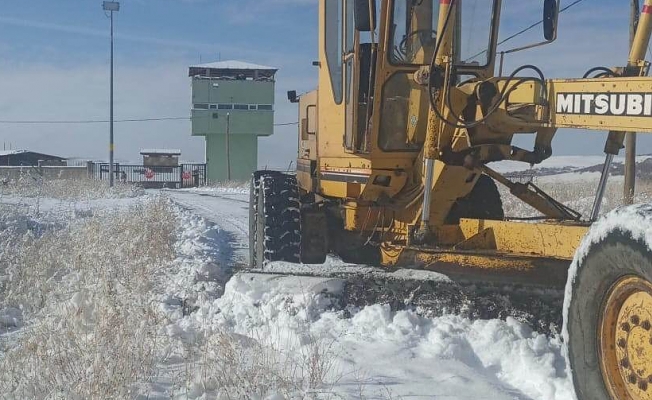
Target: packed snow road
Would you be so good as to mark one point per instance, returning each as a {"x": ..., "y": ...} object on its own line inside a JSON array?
[
  {"x": 228, "y": 209},
  {"x": 374, "y": 351}
]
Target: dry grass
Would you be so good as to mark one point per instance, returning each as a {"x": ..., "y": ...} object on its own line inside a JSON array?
[
  {"x": 85, "y": 290},
  {"x": 88, "y": 293},
  {"x": 34, "y": 186},
  {"x": 269, "y": 361},
  {"x": 578, "y": 194}
]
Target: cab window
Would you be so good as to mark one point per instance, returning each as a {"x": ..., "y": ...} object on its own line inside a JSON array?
[
  {"x": 333, "y": 46},
  {"x": 413, "y": 31}
]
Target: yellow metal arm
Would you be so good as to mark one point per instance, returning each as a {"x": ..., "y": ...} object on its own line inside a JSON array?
[{"x": 616, "y": 104}]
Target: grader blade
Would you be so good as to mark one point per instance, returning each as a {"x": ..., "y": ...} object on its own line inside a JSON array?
[{"x": 433, "y": 294}]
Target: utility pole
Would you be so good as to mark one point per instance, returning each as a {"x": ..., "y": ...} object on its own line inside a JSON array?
[
  {"x": 111, "y": 6},
  {"x": 228, "y": 148},
  {"x": 630, "y": 137}
]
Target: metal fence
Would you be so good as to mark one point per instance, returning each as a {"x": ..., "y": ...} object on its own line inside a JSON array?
[{"x": 150, "y": 177}]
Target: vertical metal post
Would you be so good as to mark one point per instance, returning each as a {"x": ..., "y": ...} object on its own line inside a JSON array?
[
  {"x": 630, "y": 137},
  {"x": 228, "y": 148},
  {"x": 597, "y": 203},
  {"x": 427, "y": 190},
  {"x": 431, "y": 145},
  {"x": 630, "y": 168},
  {"x": 111, "y": 147}
]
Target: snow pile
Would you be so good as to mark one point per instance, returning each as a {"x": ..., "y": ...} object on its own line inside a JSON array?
[
  {"x": 200, "y": 265},
  {"x": 294, "y": 330},
  {"x": 636, "y": 220},
  {"x": 374, "y": 352},
  {"x": 223, "y": 188}
]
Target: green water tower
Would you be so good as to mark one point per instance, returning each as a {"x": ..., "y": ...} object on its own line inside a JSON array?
[{"x": 232, "y": 105}]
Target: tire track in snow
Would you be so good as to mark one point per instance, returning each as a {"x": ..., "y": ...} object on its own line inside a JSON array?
[{"x": 228, "y": 213}]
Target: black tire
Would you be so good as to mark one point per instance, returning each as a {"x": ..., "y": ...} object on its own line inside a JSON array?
[
  {"x": 314, "y": 235},
  {"x": 615, "y": 256},
  {"x": 274, "y": 219},
  {"x": 254, "y": 190},
  {"x": 483, "y": 202}
]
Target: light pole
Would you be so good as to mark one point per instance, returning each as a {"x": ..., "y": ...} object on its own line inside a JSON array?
[
  {"x": 630, "y": 137},
  {"x": 228, "y": 147},
  {"x": 111, "y": 6}
]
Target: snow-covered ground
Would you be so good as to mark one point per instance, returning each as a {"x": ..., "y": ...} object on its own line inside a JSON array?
[
  {"x": 187, "y": 328},
  {"x": 373, "y": 352},
  {"x": 130, "y": 295}
]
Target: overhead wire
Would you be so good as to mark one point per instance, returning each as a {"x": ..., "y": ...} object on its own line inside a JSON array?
[
  {"x": 88, "y": 121},
  {"x": 459, "y": 123},
  {"x": 537, "y": 23},
  {"x": 102, "y": 121},
  {"x": 522, "y": 31}
]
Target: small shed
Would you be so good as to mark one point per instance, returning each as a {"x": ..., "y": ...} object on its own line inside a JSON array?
[
  {"x": 160, "y": 157},
  {"x": 18, "y": 158}
]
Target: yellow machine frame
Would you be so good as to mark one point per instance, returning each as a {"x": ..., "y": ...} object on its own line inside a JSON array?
[{"x": 404, "y": 197}]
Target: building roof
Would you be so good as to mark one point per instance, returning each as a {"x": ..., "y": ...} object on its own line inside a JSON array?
[
  {"x": 11, "y": 152},
  {"x": 232, "y": 70},
  {"x": 234, "y": 64},
  {"x": 166, "y": 152},
  {"x": 5, "y": 153}
]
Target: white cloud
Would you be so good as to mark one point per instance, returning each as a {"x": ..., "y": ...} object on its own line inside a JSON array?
[
  {"x": 81, "y": 93},
  {"x": 119, "y": 36}
]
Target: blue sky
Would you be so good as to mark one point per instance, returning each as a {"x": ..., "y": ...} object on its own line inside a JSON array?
[
  {"x": 54, "y": 65},
  {"x": 148, "y": 31}
]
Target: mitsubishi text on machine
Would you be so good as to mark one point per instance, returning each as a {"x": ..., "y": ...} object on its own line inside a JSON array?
[{"x": 616, "y": 104}]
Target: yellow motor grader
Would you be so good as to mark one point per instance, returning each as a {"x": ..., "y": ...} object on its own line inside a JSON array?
[{"x": 393, "y": 169}]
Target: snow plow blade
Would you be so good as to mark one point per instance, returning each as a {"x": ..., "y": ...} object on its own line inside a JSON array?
[
  {"x": 429, "y": 293},
  {"x": 489, "y": 266}
]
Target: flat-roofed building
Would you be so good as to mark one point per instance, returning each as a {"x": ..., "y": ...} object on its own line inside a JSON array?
[
  {"x": 232, "y": 98},
  {"x": 160, "y": 157}
]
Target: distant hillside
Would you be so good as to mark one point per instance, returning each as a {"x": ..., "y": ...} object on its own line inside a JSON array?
[{"x": 643, "y": 169}]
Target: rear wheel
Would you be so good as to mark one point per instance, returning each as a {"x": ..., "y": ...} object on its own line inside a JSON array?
[
  {"x": 254, "y": 190},
  {"x": 483, "y": 202},
  {"x": 274, "y": 219},
  {"x": 608, "y": 320}
]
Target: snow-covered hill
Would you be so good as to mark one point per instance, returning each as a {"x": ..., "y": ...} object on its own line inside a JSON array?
[{"x": 557, "y": 165}]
